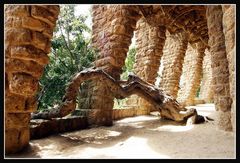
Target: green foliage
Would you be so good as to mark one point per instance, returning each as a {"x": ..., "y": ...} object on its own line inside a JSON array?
[
  {"x": 127, "y": 68},
  {"x": 119, "y": 104},
  {"x": 198, "y": 92},
  {"x": 71, "y": 53},
  {"x": 130, "y": 60}
]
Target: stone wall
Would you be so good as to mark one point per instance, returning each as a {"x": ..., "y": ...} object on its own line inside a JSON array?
[
  {"x": 40, "y": 128},
  {"x": 149, "y": 44},
  {"x": 220, "y": 70},
  {"x": 173, "y": 55},
  {"x": 112, "y": 29},
  {"x": 28, "y": 31},
  {"x": 229, "y": 33},
  {"x": 192, "y": 73},
  {"x": 123, "y": 113},
  {"x": 206, "y": 92}
]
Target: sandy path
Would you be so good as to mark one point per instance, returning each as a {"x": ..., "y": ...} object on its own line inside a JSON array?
[{"x": 139, "y": 137}]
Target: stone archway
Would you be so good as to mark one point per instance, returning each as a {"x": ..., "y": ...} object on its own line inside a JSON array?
[{"x": 28, "y": 32}]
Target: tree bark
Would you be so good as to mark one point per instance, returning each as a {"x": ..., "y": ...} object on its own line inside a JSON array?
[{"x": 169, "y": 108}]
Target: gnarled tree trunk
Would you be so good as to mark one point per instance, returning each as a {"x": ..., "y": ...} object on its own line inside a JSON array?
[{"x": 169, "y": 108}]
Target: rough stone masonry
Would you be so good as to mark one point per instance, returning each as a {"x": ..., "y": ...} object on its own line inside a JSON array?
[{"x": 160, "y": 32}]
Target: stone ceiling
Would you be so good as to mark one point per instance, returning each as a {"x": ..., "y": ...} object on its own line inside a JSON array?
[{"x": 190, "y": 18}]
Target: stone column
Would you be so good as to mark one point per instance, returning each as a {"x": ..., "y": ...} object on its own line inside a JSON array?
[
  {"x": 220, "y": 70},
  {"x": 192, "y": 73},
  {"x": 113, "y": 27},
  {"x": 206, "y": 92},
  {"x": 28, "y": 32},
  {"x": 149, "y": 44},
  {"x": 228, "y": 21},
  {"x": 173, "y": 55}
]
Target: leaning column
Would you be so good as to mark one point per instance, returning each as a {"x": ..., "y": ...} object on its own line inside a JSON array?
[
  {"x": 28, "y": 32},
  {"x": 220, "y": 70}
]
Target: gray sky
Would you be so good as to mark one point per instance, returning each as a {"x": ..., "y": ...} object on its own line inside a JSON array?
[{"x": 83, "y": 9}]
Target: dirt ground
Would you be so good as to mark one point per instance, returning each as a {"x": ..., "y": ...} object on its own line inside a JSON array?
[{"x": 139, "y": 137}]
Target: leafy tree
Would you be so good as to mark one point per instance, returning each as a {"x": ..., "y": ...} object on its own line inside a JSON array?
[
  {"x": 71, "y": 52},
  {"x": 130, "y": 60},
  {"x": 127, "y": 68},
  {"x": 198, "y": 92}
]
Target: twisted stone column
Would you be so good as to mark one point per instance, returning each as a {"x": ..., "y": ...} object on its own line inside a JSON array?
[
  {"x": 206, "y": 92},
  {"x": 173, "y": 56},
  {"x": 28, "y": 31},
  {"x": 220, "y": 70},
  {"x": 229, "y": 33},
  {"x": 149, "y": 44},
  {"x": 113, "y": 27},
  {"x": 192, "y": 73}
]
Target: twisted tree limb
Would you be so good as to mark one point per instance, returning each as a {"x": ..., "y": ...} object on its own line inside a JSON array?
[{"x": 169, "y": 108}]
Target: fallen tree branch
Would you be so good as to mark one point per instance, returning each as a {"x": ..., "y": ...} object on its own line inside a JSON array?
[{"x": 169, "y": 108}]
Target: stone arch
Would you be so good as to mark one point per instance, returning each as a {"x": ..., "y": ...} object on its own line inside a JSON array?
[{"x": 28, "y": 31}]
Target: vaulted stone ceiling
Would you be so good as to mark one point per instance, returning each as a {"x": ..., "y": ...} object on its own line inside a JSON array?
[{"x": 190, "y": 18}]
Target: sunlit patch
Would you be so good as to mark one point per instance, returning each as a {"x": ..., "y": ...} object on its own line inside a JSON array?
[
  {"x": 173, "y": 128},
  {"x": 208, "y": 106},
  {"x": 137, "y": 119},
  {"x": 133, "y": 147},
  {"x": 47, "y": 151},
  {"x": 35, "y": 145},
  {"x": 92, "y": 135},
  {"x": 156, "y": 139},
  {"x": 204, "y": 109},
  {"x": 136, "y": 125},
  {"x": 50, "y": 146},
  {"x": 136, "y": 122}
]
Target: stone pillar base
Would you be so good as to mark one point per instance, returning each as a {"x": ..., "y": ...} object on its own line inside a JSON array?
[
  {"x": 16, "y": 139},
  {"x": 99, "y": 117},
  {"x": 224, "y": 120}
]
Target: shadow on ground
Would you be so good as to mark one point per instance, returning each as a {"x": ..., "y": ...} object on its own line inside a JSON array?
[{"x": 137, "y": 137}]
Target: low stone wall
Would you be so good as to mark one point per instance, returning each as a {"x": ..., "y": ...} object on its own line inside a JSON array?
[
  {"x": 131, "y": 112},
  {"x": 40, "y": 128},
  {"x": 199, "y": 101}
]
